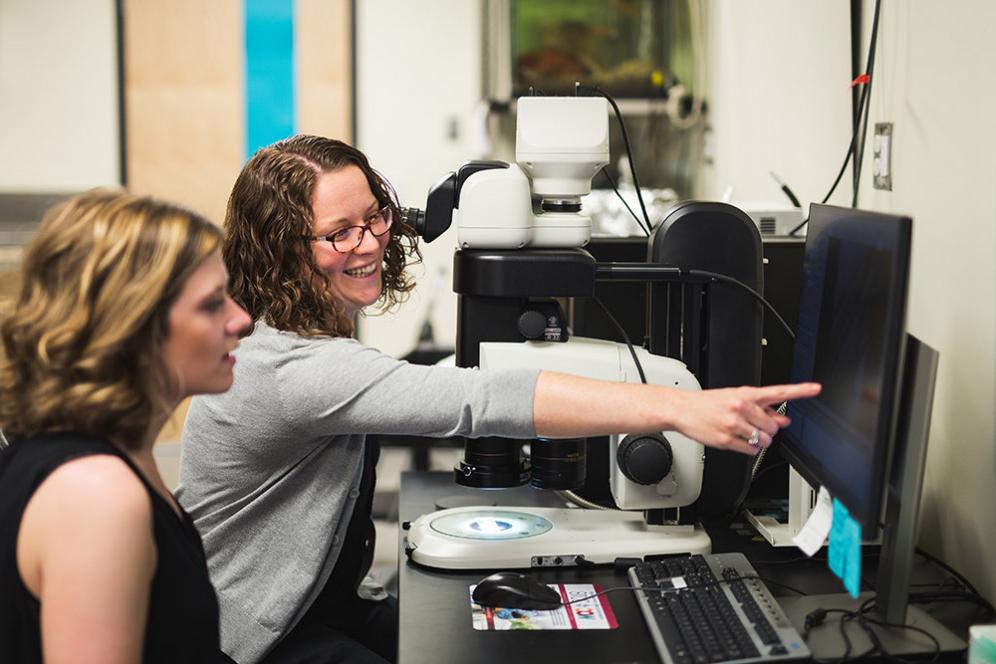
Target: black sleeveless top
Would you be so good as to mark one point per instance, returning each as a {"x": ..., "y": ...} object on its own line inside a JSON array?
[{"x": 182, "y": 624}]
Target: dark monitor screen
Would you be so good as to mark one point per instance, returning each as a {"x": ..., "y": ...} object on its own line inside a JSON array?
[{"x": 849, "y": 337}]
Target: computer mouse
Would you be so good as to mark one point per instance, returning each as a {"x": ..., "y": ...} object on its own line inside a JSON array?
[{"x": 513, "y": 590}]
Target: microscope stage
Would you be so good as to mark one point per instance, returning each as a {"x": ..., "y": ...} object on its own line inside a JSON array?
[{"x": 516, "y": 537}]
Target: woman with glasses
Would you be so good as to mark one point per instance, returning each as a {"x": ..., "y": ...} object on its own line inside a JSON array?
[
  {"x": 122, "y": 313},
  {"x": 277, "y": 472}
]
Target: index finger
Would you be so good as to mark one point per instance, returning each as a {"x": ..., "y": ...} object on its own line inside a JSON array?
[{"x": 773, "y": 394}]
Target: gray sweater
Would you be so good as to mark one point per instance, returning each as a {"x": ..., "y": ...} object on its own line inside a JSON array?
[{"x": 270, "y": 470}]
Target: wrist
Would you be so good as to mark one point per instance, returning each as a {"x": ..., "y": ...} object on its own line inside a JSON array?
[{"x": 665, "y": 408}]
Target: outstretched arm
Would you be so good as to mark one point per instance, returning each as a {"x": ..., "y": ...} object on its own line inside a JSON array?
[{"x": 569, "y": 406}]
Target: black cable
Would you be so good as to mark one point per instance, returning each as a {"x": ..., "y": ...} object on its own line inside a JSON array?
[
  {"x": 952, "y": 596},
  {"x": 816, "y": 558},
  {"x": 625, "y": 135},
  {"x": 636, "y": 185},
  {"x": 657, "y": 589},
  {"x": 715, "y": 276},
  {"x": 843, "y": 167},
  {"x": 621, "y": 331},
  {"x": 863, "y": 105},
  {"x": 612, "y": 181},
  {"x": 781, "y": 463},
  {"x": 785, "y": 189},
  {"x": 840, "y": 173},
  {"x": 863, "y": 620},
  {"x": 772, "y": 582},
  {"x": 859, "y": 153},
  {"x": 817, "y": 617},
  {"x": 947, "y": 568},
  {"x": 941, "y": 585}
]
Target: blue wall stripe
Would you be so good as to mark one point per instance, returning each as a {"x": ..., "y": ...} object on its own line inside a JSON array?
[{"x": 269, "y": 72}]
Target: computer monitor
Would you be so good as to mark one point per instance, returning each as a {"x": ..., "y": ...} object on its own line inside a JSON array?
[
  {"x": 850, "y": 338},
  {"x": 864, "y": 437}
]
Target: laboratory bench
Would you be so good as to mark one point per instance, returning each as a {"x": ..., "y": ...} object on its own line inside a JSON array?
[{"x": 435, "y": 623}]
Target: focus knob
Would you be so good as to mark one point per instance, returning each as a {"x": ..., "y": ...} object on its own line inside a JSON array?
[
  {"x": 532, "y": 325},
  {"x": 645, "y": 458}
]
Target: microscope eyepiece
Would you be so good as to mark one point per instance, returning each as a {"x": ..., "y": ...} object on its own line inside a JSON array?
[{"x": 415, "y": 218}]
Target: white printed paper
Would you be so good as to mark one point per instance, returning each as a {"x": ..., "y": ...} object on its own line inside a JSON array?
[{"x": 814, "y": 533}]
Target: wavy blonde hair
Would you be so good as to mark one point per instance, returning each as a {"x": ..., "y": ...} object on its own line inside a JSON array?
[
  {"x": 83, "y": 344},
  {"x": 268, "y": 229}
]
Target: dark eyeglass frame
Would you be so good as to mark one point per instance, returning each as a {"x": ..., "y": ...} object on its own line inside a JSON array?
[{"x": 366, "y": 227}]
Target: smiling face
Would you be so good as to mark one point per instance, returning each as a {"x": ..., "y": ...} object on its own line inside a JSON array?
[
  {"x": 343, "y": 198},
  {"x": 204, "y": 328}
]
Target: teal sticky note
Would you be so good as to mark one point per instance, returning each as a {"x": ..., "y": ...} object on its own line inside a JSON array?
[
  {"x": 844, "y": 554},
  {"x": 835, "y": 552}
]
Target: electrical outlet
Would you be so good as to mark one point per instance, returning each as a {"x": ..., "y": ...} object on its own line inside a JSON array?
[{"x": 882, "y": 162}]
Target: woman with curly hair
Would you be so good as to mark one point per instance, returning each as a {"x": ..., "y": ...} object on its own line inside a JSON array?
[
  {"x": 277, "y": 472},
  {"x": 122, "y": 313}
]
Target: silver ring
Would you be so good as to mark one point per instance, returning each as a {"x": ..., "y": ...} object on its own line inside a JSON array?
[{"x": 755, "y": 438}]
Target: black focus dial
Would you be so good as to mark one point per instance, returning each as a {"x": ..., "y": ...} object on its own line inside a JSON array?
[
  {"x": 532, "y": 325},
  {"x": 645, "y": 458}
]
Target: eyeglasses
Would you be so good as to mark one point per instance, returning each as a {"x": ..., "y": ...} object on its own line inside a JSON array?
[{"x": 346, "y": 239}]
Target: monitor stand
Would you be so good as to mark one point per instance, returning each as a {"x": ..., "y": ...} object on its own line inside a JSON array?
[{"x": 825, "y": 641}]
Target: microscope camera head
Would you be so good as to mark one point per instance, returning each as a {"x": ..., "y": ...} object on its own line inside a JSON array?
[{"x": 561, "y": 143}]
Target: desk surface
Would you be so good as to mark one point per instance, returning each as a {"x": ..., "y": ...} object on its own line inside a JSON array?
[{"x": 435, "y": 621}]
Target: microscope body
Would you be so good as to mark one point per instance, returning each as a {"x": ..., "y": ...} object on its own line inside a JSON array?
[{"x": 520, "y": 229}]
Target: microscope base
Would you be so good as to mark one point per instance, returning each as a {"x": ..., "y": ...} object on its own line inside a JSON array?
[{"x": 517, "y": 537}]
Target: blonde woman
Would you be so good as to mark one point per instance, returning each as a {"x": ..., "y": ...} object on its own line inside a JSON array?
[{"x": 122, "y": 313}]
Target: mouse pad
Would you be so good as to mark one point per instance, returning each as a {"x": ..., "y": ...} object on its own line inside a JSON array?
[{"x": 586, "y": 611}]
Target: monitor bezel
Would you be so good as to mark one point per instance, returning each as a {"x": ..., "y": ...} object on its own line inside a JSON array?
[{"x": 821, "y": 219}]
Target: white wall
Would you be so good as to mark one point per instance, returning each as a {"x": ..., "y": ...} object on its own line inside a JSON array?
[
  {"x": 58, "y": 95},
  {"x": 778, "y": 93},
  {"x": 779, "y": 101},
  {"x": 418, "y": 72},
  {"x": 935, "y": 83}
]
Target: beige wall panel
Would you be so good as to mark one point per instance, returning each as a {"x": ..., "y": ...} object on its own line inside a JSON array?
[
  {"x": 184, "y": 95},
  {"x": 323, "y": 51},
  {"x": 184, "y": 86}
]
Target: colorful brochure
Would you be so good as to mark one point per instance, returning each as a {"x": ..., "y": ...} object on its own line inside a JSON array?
[{"x": 590, "y": 613}]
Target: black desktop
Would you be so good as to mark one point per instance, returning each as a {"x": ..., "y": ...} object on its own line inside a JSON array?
[{"x": 864, "y": 437}]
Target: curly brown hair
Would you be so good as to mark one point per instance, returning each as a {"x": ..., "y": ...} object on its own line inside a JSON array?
[
  {"x": 268, "y": 226},
  {"x": 83, "y": 346}
]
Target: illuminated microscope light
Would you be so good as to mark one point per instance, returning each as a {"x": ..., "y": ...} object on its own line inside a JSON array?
[{"x": 491, "y": 525}]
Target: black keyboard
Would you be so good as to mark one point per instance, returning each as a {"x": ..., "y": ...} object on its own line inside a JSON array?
[{"x": 735, "y": 620}]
